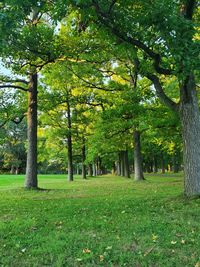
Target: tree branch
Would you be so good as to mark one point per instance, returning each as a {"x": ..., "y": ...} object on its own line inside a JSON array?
[
  {"x": 106, "y": 20},
  {"x": 14, "y": 87},
  {"x": 161, "y": 94}
]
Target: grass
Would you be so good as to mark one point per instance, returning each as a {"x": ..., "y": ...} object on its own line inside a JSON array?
[{"x": 103, "y": 221}]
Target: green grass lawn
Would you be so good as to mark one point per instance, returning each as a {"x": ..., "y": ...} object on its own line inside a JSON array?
[{"x": 103, "y": 221}]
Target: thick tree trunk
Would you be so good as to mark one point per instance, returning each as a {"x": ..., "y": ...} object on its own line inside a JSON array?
[
  {"x": 190, "y": 119},
  {"x": 31, "y": 163},
  {"x": 69, "y": 144},
  {"x": 138, "y": 168},
  {"x": 83, "y": 163}
]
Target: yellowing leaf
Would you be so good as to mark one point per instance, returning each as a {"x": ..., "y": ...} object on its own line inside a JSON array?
[
  {"x": 86, "y": 251},
  {"x": 154, "y": 237},
  {"x": 101, "y": 257}
]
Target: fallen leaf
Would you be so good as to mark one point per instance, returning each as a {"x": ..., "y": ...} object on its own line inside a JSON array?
[
  {"x": 23, "y": 250},
  {"x": 173, "y": 242},
  {"x": 78, "y": 259},
  {"x": 101, "y": 257},
  {"x": 86, "y": 251},
  {"x": 148, "y": 251},
  {"x": 154, "y": 237}
]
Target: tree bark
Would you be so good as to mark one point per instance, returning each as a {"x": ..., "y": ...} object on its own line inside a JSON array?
[
  {"x": 119, "y": 165},
  {"x": 162, "y": 163},
  {"x": 122, "y": 167},
  {"x": 155, "y": 164},
  {"x": 113, "y": 168},
  {"x": 90, "y": 170},
  {"x": 138, "y": 168},
  {"x": 94, "y": 169},
  {"x": 83, "y": 162},
  {"x": 12, "y": 170},
  {"x": 31, "y": 180},
  {"x": 69, "y": 144},
  {"x": 190, "y": 120},
  {"x": 126, "y": 165}
]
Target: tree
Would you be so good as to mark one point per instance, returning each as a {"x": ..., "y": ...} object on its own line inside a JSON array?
[
  {"x": 164, "y": 34},
  {"x": 27, "y": 44}
]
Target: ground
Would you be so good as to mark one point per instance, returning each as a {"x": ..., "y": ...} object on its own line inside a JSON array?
[{"x": 103, "y": 221}]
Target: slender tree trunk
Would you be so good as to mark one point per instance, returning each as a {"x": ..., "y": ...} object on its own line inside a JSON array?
[
  {"x": 69, "y": 144},
  {"x": 94, "y": 169},
  {"x": 122, "y": 167},
  {"x": 175, "y": 162},
  {"x": 138, "y": 168},
  {"x": 31, "y": 163},
  {"x": 190, "y": 120},
  {"x": 17, "y": 171},
  {"x": 119, "y": 165},
  {"x": 90, "y": 170},
  {"x": 12, "y": 170},
  {"x": 83, "y": 162},
  {"x": 155, "y": 164},
  {"x": 162, "y": 164},
  {"x": 77, "y": 169},
  {"x": 126, "y": 165},
  {"x": 114, "y": 168}
]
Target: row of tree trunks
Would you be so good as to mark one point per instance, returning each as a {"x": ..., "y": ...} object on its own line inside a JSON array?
[{"x": 123, "y": 168}]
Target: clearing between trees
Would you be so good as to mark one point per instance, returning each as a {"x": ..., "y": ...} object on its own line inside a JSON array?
[{"x": 101, "y": 221}]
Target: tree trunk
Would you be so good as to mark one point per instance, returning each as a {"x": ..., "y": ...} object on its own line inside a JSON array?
[
  {"x": 126, "y": 165},
  {"x": 31, "y": 163},
  {"x": 94, "y": 169},
  {"x": 90, "y": 170},
  {"x": 122, "y": 167},
  {"x": 12, "y": 170},
  {"x": 69, "y": 144},
  {"x": 83, "y": 162},
  {"x": 162, "y": 164},
  {"x": 138, "y": 168},
  {"x": 155, "y": 164},
  {"x": 17, "y": 171},
  {"x": 175, "y": 163},
  {"x": 119, "y": 165},
  {"x": 113, "y": 169},
  {"x": 190, "y": 120},
  {"x": 77, "y": 169}
]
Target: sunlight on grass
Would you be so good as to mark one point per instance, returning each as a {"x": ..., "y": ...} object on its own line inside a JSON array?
[{"x": 103, "y": 221}]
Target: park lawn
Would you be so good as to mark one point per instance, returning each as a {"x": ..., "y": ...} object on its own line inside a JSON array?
[{"x": 103, "y": 221}]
